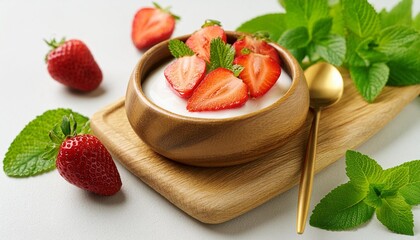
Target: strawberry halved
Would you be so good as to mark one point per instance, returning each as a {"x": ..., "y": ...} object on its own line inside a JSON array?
[
  {"x": 200, "y": 40},
  {"x": 184, "y": 74},
  {"x": 220, "y": 89},
  {"x": 151, "y": 26},
  {"x": 255, "y": 45},
  {"x": 260, "y": 72}
]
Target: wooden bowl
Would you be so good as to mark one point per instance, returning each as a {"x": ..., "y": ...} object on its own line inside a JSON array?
[{"x": 215, "y": 142}]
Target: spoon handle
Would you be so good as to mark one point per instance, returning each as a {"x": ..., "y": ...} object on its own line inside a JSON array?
[{"x": 307, "y": 175}]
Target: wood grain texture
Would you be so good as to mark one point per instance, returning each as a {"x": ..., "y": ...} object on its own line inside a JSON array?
[{"x": 215, "y": 195}]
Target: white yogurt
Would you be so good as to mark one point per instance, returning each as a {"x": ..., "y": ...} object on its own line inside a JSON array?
[{"x": 158, "y": 91}]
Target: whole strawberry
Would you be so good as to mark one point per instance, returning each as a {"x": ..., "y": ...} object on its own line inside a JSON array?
[
  {"x": 152, "y": 25},
  {"x": 84, "y": 161},
  {"x": 72, "y": 64}
]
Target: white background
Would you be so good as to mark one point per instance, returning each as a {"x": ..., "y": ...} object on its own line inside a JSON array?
[{"x": 47, "y": 207}]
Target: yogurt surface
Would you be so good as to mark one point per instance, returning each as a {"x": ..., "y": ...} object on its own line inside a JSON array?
[{"x": 158, "y": 91}]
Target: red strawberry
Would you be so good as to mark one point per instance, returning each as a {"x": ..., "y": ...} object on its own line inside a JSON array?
[
  {"x": 260, "y": 72},
  {"x": 72, "y": 64},
  {"x": 84, "y": 161},
  {"x": 220, "y": 89},
  {"x": 253, "y": 44},
  {"x": 200, "y": 40},
  {"x": 151, "y": 26},
  {"x": 185, "y": 73}
]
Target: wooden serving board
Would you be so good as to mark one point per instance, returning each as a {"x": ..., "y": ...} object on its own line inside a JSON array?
[{"x": 216, "y": 195}]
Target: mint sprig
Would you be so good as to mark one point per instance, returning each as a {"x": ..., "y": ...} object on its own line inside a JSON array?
[
  {"x": 222, "y": 55},
  {"x": 25, "y": 156},
  {"x": 389, "y": 193},
  {"x": 377, "y": 48},
  {"x": 179, "y": 49}
]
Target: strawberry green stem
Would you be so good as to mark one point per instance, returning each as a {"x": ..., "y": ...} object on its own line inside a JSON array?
[
  {"x": 211, "y": 22},
  {"x": 53, "y": 44},
  {"x": 167, "y": 10}
]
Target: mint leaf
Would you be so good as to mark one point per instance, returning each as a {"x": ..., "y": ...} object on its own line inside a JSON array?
[
  {"x": 405, "y": 67},
  {"x": 338, "y": 19},
  {"x": 399, "y": 15},
  {"x": 396, "y": 215},
  {"x": 322, "y": 28},
  {"x": 362, "y": 170},
  {"x": 342, "y": 208},
  {"x": 411, "y": 190},
  {"x": 25, "y": 155},
  {"x": 416, "y": 22},
  {"x": 353, "y": 43},
  {"x": 304, "y": 13},
  {"x": 370, "y": 80},
  {"x": 373, "y": 197},
  {"x": 179, "y": 49},
  {"x": 396, "y": 179},
  {"x": 274, "y": 24},
  {"x": 222, "y": 55},
  {"x": 392, "y": 39},
  {"x": 367, "y": 49},
  {"x": 331, "y": 48},
  {"x": 360, "y": 17},
  {"x": 295, "y": 38}
]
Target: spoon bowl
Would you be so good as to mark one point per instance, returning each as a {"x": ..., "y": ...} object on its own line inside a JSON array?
[{"x": 326, "y": 86}]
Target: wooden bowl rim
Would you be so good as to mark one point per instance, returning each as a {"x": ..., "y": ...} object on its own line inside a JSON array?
[{"x": 288, "y": 63}]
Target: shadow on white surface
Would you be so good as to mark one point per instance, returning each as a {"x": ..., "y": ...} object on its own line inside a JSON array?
[{"x": 117, "y": 199}]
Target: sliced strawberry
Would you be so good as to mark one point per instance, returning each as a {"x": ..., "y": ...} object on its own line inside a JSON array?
[
  {"x": 200, "y": 40},
  {"x": 185, "y": 73},
  {"x": 260, "y": 72},
  {"x": 255, "y": 45},
  {"x": 220, "y": 89},
  {"x": 151, "y": 26}
]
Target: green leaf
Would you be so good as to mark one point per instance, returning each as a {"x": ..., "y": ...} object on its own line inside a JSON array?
[
  {"x": 370, "y": 80},
  {"x": 274, "y": 24},
  {"x": 322, "y": 28},
  {"x": 416, "y": 22},
  {"x": 179, "y": 49},
  {"x": 399, "y": 15},
  {"x": 295, "y": 38},
  {"x": 338, "y": 19},
  {"x": 24, "y": 156},
  {"x": 304, "y": 13},
  {"x": 331, "y": 48},
  {"x": 411, "y": 191},
  {"x": 393, "y": 39},
  {"x": 362, "y": 170},
  {"x": 221, "y": 54},
  {"x": 396, "y": 179},
  {"x": 396, "y": 215},
  {"x": 367, "y": 49},
  {"x": 352, "y": 58},
  {"x": 373, "y": 197},
  {"x": 298, "y": 53},
  {"x": 405, "y": 67},
  {"x": 342, "y": 208},
  {"x": 360, "y": 17}
]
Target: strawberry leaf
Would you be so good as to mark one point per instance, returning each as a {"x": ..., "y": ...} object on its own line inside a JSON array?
[{"x": 25, "y": 156}]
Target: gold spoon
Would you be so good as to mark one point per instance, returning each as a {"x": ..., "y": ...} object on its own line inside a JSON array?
[{"x": 325, "y": 88}]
